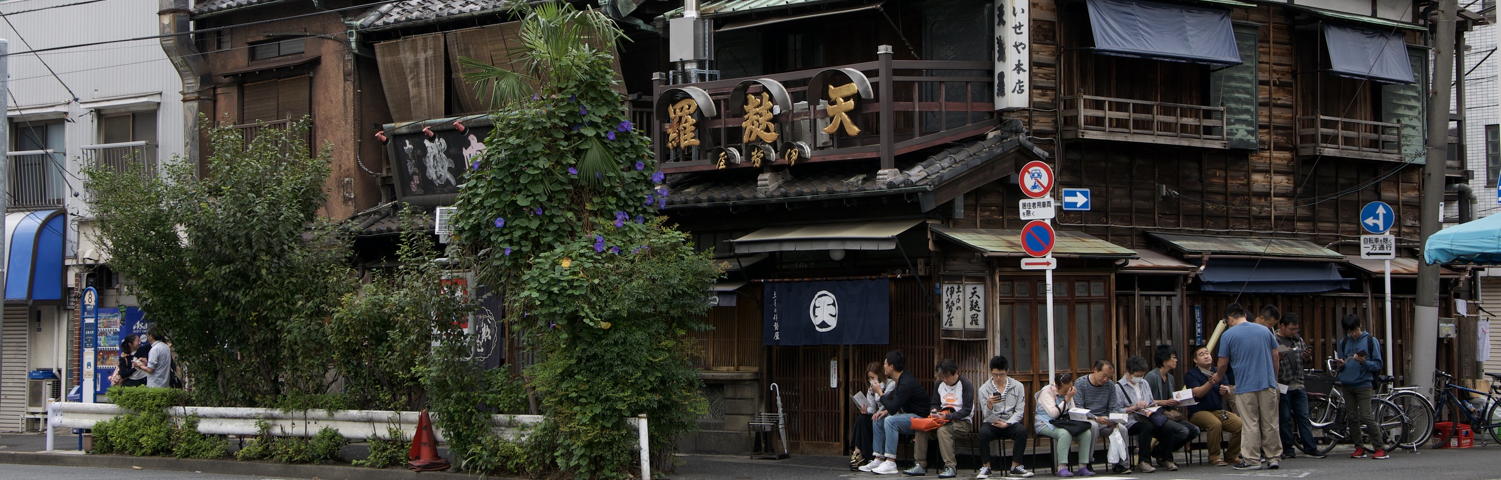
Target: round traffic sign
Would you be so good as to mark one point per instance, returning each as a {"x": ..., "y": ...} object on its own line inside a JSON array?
[
  {"x": 1037, "y": 238},
  {"x": 1036, "y": 179},
  {"x": 1377, "y": 217}
]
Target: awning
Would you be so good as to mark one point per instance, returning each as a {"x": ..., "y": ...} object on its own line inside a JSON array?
[
  {"x": 1358, "y": 52},
  {"x": 879, "y": 235},
  {"x": 35, "y": 257},
  {"x": 1164, "y": 31},
  {"x": 1246, "y": 247},
  {"x": 1475, "y": 242},
  {"x": 1271, "y": 276},
  {"x": 1152, "y": 261},
  {"x": 1401, "y": 267},
  {"x": 1007, "y": 243},
  {"x": 1368, "y": 20},
  {"x": 724, "y": 293}
]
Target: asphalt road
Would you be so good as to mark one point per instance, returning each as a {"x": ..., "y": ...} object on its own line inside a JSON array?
[
  {"x": 38, "y": 472},
  {"x": 1468, "y": 464}
]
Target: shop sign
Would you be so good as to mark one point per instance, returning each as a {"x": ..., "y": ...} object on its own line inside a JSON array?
[
  {"x": 1013, "y": 59},
  {"x": 963, "y": 306},
  {"x": 843, "y": 312}
]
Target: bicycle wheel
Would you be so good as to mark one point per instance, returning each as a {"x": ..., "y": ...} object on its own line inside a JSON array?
[
  {"x": 1325, "y": 413},
  {"x": 1390, "y": 422},
  {"x": 1419, "y": 417},
  {"x": 1493, "y": 421}
]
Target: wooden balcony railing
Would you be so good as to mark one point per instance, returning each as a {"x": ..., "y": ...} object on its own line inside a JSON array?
[
  {"x": 123, "y": 157},
  {"x": 1125, "y": 120},
  {"x": 915, "y": 104},
  {"x": 1349, "y": 138},
  {"x": 35, "y": 179}
]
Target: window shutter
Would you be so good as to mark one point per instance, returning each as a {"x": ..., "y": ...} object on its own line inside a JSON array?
[
  {"x": 294, "y": 97},
  {"x": 491, "y": 45},
  {"x": 1403, "y": 104},
  {"x": 258, "y": 102},
  {"x": 1235, "y": 88}
]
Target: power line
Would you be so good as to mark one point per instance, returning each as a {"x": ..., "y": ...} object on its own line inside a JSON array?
[
  {"x": 39, "y": 58},
  {"x": 38, "y": 9}
]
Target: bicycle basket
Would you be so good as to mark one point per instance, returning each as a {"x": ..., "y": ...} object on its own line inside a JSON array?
[{"x": 1319, "y": 382}]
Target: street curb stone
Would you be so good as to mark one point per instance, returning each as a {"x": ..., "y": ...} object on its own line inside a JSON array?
[{"x": 227, "y": 467}]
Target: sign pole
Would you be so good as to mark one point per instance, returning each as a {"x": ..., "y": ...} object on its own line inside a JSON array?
[
  {"x": 1388, "y": 282},
  {"x": 1052, "y": 370}
]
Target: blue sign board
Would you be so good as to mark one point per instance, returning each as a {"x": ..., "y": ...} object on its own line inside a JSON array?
[
  {"x": 1377, "y": 217},
  {"x": 843, "y": 312},
  {"x": 1076, "y": 199}
]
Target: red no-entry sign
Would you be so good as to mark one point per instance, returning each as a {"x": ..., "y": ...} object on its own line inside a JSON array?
[{"x": 1036, "y": 179}]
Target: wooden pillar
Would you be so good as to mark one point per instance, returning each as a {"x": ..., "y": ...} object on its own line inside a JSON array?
[
  {"x": 888, "y": 118},
  {"x": 658, "y": 79}
]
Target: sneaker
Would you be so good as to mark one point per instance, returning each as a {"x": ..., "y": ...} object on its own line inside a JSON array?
[
  {"x": 1169, "y": 465},
  {"x": 916, "y": 471},
  {"x": 1244, "y": 465},
  {"x": 886, "y": 467},
  {"x": 984, "y": 473},
  {"x": 872, "y": 465},
  {"x": 1314, "y": 454},
  {"x": 1019, "y": 472},
  {"x": 1381, "y": 455},
  {"x": 1119, "y": 469},
  {"x": 1359, "y": 453},
  {"x": 948, "y": 472},
  {"x": 1273, "y": 465},
  {"x": 1218, "y": 462},
  {"x": 1145, "y": 467},
  {"x": 1084, "y": 471},
  {"x": 1063, "y": 472}
]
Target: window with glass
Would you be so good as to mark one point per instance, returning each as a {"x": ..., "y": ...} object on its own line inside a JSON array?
[
  {"x": 1493, "y": 152},
  {"x": 1081, "y": 324}
]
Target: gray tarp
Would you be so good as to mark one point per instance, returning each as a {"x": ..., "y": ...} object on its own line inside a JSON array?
[
  {"x": 1164, "y": 31},
  {"x": 1365, "y": 53}
]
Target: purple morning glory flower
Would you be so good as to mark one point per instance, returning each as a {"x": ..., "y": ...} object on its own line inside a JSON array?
[
  {"x": 474, "y": 166},
  {"x": 625, "y": 126},
  {"x": 650, "y": 199},
  {"x": 620, "y": 218},
  {"x": 583, "y": 111},
  {"x": 573, "y": 98},
  {"x": 662, "y": 190},
  {"x": 638, "y": 249},
  {"x": 536, "y": 97},
  {"x": 610, "y": 135},
  {"x": 661, "y": 203},
  {"x": 577, "y": 126},
  {"x": 500, "y": 222},
  {"x": 508, "y": 251},
  {"x": 640, "y": 219},
  {"x": 573, "y": 171},
  {"x": 599, "y": 244},
  {"x": 615, "y": 250},
  {"x": 537, "y": 211},
  {"x": 640, "y": 166},
  {"x": 657, "y": 177}
]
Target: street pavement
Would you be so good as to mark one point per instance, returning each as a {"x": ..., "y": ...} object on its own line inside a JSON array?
[
  {"x": 40, "y": 472},
  {"x": 1481, "y": 463}
]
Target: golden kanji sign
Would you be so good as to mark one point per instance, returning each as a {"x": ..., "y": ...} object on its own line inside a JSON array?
[
  {"x": 760, "y": 119},
  {"x": 682, "y": 129},
  {"x": 840, "y": 106}
]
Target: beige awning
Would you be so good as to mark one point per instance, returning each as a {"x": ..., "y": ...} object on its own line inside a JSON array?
[
  {"x": 1152, "y": 261},
  {"x": 880, "y": 235},
  {"x": 1401, "y": 267},
  {"x": 1007, "y": 243}
]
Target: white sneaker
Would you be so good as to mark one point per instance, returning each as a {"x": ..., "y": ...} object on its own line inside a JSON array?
[
  {"x": 872, "y": 465},
  {"x": 885, "y": 468},
  {"x": 984, "y": 473}
]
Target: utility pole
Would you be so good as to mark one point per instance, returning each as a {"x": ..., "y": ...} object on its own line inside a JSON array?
[{"x": 1425, "y": 315}]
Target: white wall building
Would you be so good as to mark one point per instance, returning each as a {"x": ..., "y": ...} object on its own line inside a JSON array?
[{"x": 117, "y": 103}]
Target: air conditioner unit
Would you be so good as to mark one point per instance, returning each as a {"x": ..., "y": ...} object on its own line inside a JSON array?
[{"x": 38, "y": 392}]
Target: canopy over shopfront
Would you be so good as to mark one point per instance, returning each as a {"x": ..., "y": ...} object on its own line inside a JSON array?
[{"x": 1477, "y": 242}]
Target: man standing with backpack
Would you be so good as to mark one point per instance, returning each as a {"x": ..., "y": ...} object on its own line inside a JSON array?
[{"x": 1357, "y": 359}]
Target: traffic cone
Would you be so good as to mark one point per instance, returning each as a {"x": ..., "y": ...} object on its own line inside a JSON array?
[{"x": 423, "y": 455}]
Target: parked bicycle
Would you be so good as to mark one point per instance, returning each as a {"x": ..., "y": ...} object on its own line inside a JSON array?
[
  {"x": 1482, "y": 413},
  {"x": 1326, "y": 412}
]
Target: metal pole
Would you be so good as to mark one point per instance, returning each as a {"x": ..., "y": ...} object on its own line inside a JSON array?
[
  {"x": 645, "y": 446},
  {"x": 1425, "y": 309},
  {"x": 1052, "y": 368},
  {"x": 1388, "y": 282}
]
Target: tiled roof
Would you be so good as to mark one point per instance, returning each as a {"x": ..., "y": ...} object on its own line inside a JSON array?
[
  {"x": 842, "y": 179},
  {"x": 1007, "y": 243},
  {"x": 206, "y": 7},
  {"x": 417, "y": 12}
]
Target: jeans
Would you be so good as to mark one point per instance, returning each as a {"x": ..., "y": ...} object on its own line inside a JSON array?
[
  {"x": 887, "y": 431},
  {"x": 1016, "y": 432},
  {"x": 1061, "y": 440},
  {"x": 1357, "y": 412},
  {"x": 1260, "y": 441},
  {"x": 1295, "y": 421}
]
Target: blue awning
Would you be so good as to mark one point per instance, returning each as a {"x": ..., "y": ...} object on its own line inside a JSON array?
[
  {"x": 34, "y": 267},
  {"x": 1271, "y": 276},
  {"x": 1367, "y": 53},
  {"x": 1164, "y": 31},
  {"x": 1477, "y": 242}
]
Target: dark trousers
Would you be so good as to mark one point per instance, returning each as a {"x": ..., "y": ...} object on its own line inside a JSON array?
[
  {"x": 1016, "y": 432},
  {"x": 1170, "y": 436},
  {"x": 1360, "y": 420},
  {"x": 1294, "y": 416},
  {"x": 862, "y": 436}
]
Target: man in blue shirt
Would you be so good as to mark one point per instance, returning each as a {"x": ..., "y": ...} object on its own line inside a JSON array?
[
  {"x": 1250, "y": 350},
  {"x": 1358, "y": 360}
]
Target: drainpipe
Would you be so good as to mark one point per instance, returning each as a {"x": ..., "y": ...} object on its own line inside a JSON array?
[{"x": 191, "y": 68}]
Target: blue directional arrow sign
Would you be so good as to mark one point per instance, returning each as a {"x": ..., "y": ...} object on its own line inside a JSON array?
[
  {"x": 1377, "y": 217},
  {"x": 1076, "y": 199}
]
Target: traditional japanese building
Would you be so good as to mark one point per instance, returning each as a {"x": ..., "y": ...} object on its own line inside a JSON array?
[{"x": 869, "y": 151}]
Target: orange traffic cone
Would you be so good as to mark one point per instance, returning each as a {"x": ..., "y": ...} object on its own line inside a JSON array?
[{"x": 423, "y": 455}]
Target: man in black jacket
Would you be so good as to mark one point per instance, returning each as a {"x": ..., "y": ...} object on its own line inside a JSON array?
[
  {"x": 953, "y": 399},
  {"x": 898, "y": 407}
]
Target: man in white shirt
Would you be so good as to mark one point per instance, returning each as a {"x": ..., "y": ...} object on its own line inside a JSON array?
[{"x": 158, "y": 363}]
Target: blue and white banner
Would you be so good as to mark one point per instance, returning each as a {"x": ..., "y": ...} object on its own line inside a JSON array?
[{"x": 847, "y": 312}]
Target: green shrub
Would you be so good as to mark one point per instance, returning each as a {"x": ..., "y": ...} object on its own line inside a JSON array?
[
  {"x": 188, "y": 443},
  {"x": 387, "y": 453},
  {"x": 325, "y": 445},
  {"x": 148, "y": 431}
]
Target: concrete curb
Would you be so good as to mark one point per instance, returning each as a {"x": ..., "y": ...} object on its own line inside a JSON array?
[{"x": 227, "y": 467}]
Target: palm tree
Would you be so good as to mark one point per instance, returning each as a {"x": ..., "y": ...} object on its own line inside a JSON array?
[{"x": 556, "y": 41}]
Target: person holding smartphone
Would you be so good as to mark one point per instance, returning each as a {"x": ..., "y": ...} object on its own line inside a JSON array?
[
  {"x": 876, "y": 384},
  {"x": 1002, "y": 404},
  {"x": 1357, "y": 359}
]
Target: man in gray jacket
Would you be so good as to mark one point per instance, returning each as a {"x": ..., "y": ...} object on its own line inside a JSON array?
[{"x": 1002, "y": 403}]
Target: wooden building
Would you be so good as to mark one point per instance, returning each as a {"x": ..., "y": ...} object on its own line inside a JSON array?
[{"x": 1227, "y": 152}]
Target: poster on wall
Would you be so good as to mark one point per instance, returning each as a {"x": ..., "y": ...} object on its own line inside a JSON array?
[
  {"x": 844, "y": 312},
  {"x": 1013, "y": 55},
  {"x": 435, "y": 166},
  {"x": 114, "y": 325},
  {"x": 963, "y": 306}
]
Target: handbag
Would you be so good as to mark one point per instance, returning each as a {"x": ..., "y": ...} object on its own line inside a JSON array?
[
  {"x": 1074, "y": 427},
  {"x": 927, "y": 424}
]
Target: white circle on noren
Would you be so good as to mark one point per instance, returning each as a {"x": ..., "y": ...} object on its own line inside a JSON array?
[{"x": 823, "y": 311}]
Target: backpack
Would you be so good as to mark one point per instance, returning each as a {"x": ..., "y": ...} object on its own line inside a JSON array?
[
  {"x": 1370, "y": 344},
  {"x": 174, "y": 379}
]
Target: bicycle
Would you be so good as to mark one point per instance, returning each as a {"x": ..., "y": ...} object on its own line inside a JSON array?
[
  {"x": 1414, "y": 406},
  {"x": 1490, "y": 421},
  {"x": 1326, "y": 408}
]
